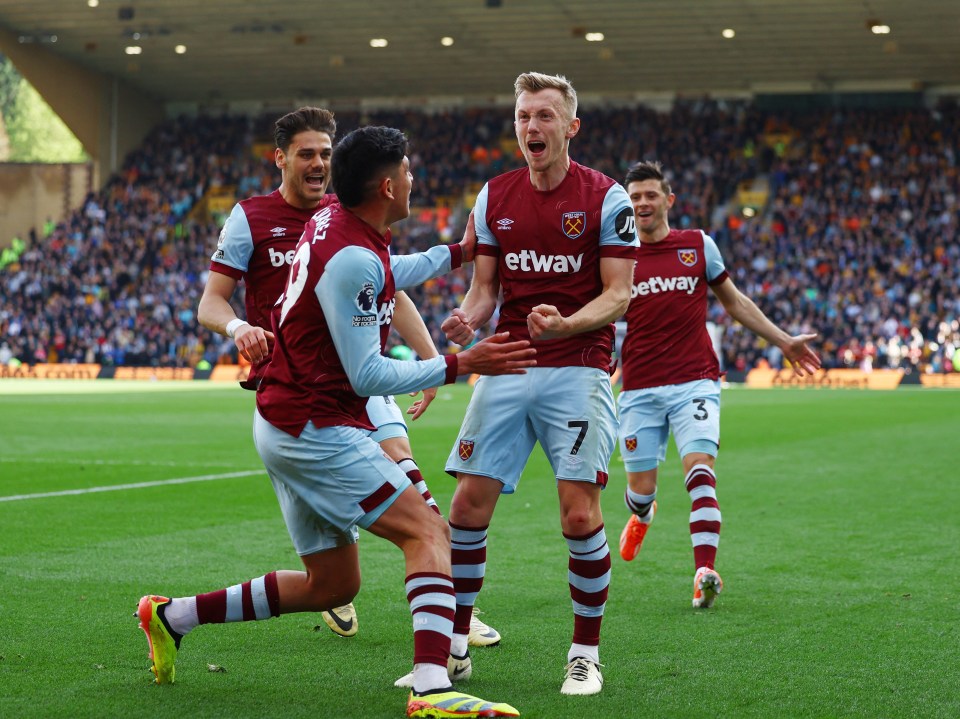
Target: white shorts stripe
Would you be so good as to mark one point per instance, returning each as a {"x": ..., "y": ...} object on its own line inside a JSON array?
[{"x": 701, "y": 538}]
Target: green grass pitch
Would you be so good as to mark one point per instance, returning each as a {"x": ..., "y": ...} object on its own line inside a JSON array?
[{"x": 841, "y": 522}]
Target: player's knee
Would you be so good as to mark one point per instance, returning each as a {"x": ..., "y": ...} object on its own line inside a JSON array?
[
  {"x": 329, "y": 591},
  {"x": 345, "y": 595},
  {"x": 434, "y": 530},
  {"x": 692, "y": 459},
  {"x": 578, "y": 521},
  {"x": 459, "y": 507},
  {"x": 472, "y": 504},
  {"x": 431, "y": 545}
]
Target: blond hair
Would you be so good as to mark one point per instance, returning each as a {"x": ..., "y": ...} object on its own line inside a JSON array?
[{"x": 537, "y": 81}]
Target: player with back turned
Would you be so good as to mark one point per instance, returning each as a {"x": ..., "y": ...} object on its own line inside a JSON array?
[
  {"x": 312, "y": 432},
  {"x": 256, "y": 246}
]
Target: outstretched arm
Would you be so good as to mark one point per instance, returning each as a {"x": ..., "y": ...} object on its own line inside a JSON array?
[{"x": 802, "y": 358}]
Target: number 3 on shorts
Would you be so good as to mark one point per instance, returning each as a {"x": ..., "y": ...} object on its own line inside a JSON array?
[{"x": 702, "y": 413}]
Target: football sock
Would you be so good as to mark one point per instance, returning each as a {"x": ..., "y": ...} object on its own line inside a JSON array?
[
  {"x": 432, "y": 605},
  {"x": 589, "y": 578},
  {"x": 180, "y": 614},
  {"x": 411, "y": 469},
  {"x": 428, "y": 678},
  {"x": 468, "y": 559},
  {"x": 257, "y": 599},
  {"x": 587, "y": 651},
  {"x": 162, "y": 614},
  {"x": 701, "y": 483},
  {"x": 460, "y": 644},
  {"x": 638, "y": 503}
]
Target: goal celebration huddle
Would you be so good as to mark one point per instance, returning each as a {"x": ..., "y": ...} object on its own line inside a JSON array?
[{"x": 560, "y": 251}]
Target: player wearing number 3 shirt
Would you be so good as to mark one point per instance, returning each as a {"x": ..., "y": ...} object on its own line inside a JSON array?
[
  {"x": 671, "y": 374},
  {"x": 559, "y": 240}
]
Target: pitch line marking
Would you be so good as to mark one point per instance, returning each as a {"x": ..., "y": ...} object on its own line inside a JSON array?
[
  {"x": 109, "y": 462},
  {"x": 135, "y": 485}
]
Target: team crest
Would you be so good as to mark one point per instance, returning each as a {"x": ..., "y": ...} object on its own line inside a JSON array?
[
  {"x": 687, "y": 257},
  {"x": 465, "y": 450},
  {"x": 366, "y": 297},
  {"x": 630, "y": 443},
  {"x": 573, "y": 224}
]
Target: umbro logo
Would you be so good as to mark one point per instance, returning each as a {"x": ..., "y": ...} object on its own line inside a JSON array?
[
  {"x": 278, "y": 231},
  {"x": 505, "y": 223}
]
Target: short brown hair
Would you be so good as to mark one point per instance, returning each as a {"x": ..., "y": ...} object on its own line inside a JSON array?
[
  {"x": 647, "y": 170},
  {"x": 306, "y": 118},
  {"x": 537, "y": 81}
]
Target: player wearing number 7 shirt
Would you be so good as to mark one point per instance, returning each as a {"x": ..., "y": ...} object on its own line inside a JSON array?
[
  {"x": 559, "y": 239},
  {"x": 671, "y": 374}
]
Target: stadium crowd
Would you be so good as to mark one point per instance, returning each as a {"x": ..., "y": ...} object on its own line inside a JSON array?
[{"x": 857, "y": 239}]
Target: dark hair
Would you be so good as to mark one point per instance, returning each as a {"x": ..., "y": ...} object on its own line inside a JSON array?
[
  {"x": 306, "y": 118},
  {"x": 647, "y": 170},
  {"x": 360, "y": 158}
]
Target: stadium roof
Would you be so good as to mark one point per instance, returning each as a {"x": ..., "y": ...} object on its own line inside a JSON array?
[{"x": 273, "y": 51}]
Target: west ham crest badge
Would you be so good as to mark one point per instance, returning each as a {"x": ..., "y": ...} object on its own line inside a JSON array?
[
  {"x": 688, "y": 258},
  {"x": 573, "y": 224}
]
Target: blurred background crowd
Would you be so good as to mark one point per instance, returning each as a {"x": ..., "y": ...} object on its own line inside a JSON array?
[{"x": 838, "y": 221}]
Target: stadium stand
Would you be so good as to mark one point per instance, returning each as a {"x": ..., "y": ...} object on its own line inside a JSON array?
[{"x": 842, "y": 221}]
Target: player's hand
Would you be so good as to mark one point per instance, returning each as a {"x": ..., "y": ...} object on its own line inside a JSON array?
[
  {"x": 469, "y": 242},
  {"x": 457, "y": 329},
  {"x": 545, "y": 323},
  {"x": 803, "y": 360},
  {"x": 254, "y": 343},
  {"x": 420, "y": 406},
  {"x": 496, "y": 355}
]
